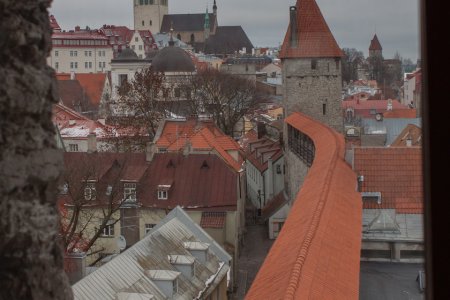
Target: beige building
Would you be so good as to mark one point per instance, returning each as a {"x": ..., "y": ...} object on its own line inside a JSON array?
[
  {"x": 80, "y": 51},
  {"x": 148, "y": 14}
]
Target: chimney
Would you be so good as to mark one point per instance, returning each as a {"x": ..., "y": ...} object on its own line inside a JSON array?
[
  {"x": 72, "y": 75},
  {"x": 150, "y": 150},
  {"x": 409, "y": 140},
  {"x": 389, "y": 105},
  {"x": 187, "y": 148},
  {"x": 293, "y": 22},
  {"x": 261, "y": 130},
  {"x": 77, "y": 28},
  {"x": 75, "y": 266},
  {"x": 92, "y": 142}
]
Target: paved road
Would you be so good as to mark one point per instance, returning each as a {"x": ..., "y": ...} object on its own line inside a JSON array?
[
  {"x": 256, "y": 247},
  {"x": 386, "y": 281}
]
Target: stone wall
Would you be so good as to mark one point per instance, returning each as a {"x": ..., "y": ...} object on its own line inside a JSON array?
[
  {"x": 307, "y": 90},
  {"x": 31, "y": 256}
]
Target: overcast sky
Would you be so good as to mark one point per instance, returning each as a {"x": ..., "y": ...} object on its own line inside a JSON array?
[{"x": 353, "y": 22}]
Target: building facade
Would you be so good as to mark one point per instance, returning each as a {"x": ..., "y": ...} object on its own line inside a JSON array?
[
  {"x": 80, "y": 51},
  {"x": 149, "y": 14}
]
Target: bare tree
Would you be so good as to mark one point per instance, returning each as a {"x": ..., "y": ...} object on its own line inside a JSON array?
[
  {"x": 31, "y": 257},
  {"x": 91, "y": 195},
  {"x": 226, "y": 97}
]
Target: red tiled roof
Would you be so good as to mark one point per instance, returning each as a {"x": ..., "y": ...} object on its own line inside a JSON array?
[
  {"x": 259, "y": 152},
  {"x": 203, "y": 135},
  {"x": 92, "y": 84},
  {"x": 213, "y": 219},
  {"x": 197, "y": 181},
  {"x": 54, "y": 24},
  {"x": 314, "y": 36},
  {"x": 375, "y": 44},
  {"x": 317, "y": 254},
  {"x": 62, "y": 113},
  {"x": 409, "y": 113},
  {"x": 395, "y": 172},
  {"x": 364, "y": 108}
]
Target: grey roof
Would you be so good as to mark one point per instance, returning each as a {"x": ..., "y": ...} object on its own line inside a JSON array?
[
  {"x": 393, "y": 127},
  {"x": 162, "y": 40},
  {"x": 228, "y": 40},
  {"x": 410, "y": 226},
  {"x": 136, "y": 270},
  {"x": 173, "y": 59},
  {"x": 127, "y": 54},
  {"x": 187, "y": 22}
]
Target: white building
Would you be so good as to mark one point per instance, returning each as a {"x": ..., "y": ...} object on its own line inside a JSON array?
[
  {"x": 409, "y": 86},
  {"x": 264, "y": 170},
  {"x": 80, "y": 51}
]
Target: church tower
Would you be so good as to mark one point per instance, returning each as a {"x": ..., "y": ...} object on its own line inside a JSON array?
[
  {"x": 311, "y": 59},
  {"x": 375, "y": 48},
  {"x": 148, "y": 14}
]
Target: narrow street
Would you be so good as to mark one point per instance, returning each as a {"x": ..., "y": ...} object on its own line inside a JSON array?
[{"x": 256, "y": 246}]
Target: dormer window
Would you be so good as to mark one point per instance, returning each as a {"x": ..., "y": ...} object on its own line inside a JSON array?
[
  {"x": 163, "y": 195},
  {"x": 89, "y": 191},
  {"x": 129, "y": 192}
]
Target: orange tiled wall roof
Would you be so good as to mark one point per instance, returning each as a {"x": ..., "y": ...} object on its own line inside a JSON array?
[{"x": 317, "y": 254}]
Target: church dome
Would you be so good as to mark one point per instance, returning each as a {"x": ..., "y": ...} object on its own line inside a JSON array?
[{"x": 173, "y": 59}]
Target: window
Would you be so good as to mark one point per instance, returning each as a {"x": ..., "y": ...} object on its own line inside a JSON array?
[
  {"x": 90, "y": 53},
  {"x": 73, "y": 147},
  {"x": 314, "y": 64},
  {"x": 143, "y": 23},
  {"x": 108, "y": 231},
  {"x": 90, "y": 65},
  {"x": 324, "y": 109},
  {"x": 56, "y": 65},
  {"x": 140, "y": 47},
  {"x": 162, "y": 195},
  {"x": 100, "y": 64},
  {"x": 71, "y": 53},
  {"x": 122, "y": 78},
  {"x": 148, "y": 228},
  {"x": 141, "y": 2},
  {"x": 146, "y": 2},
  {"x": 75, "y": 53},
  {"x": 75, "y": 65},
  {"x": 179, "y": 36},
  {"x": 85, "y": 53},
  {"x": 129, "y": 192},
  {"x": 177, "y": 92},
  {"x": 56, "y": 53},
  {"x": 89, "y": 191},
  {"x": 175, "y": 286},
  {"x": 86, "y": 65},
  {"x": 278, "y": 169},
  {"x": 151, "y": 23},
  {"x": 136, "y": 39},
  {"x": 109, "y": 189},
  {"x": 99, "y": 53}
]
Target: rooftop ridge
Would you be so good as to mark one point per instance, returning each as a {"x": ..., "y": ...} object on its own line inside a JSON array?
[{"x": 295, "y": 280}]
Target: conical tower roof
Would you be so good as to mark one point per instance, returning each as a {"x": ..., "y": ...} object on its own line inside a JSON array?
[
  {"x": 313, "y": 36},
  {"x": 375, "y": 44}
]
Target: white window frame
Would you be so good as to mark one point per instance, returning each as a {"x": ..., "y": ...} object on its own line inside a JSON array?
[
  {"x": 163, "y": 194},
  {"x": 108, "y": 231},
  {"x": 148, "y": 228},
  {"x": 73, "y": 147},
  {"x": 129, "y": 192},
  {"x": 90, "y": 192}
]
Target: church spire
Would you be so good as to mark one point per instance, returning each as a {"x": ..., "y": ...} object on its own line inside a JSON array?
[
  {"x": 206, "y": 25},
  {"x": 215, "y": 8}
]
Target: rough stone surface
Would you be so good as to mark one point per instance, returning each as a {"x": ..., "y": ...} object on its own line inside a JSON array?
[
  {"x": 307, "y": 90},
  {"x": 31, "y": 257}
]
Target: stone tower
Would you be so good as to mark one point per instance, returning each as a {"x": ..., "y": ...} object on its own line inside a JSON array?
[
  {"x": 311, "y": 59},
  {"x": 148, "y": 14}
]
